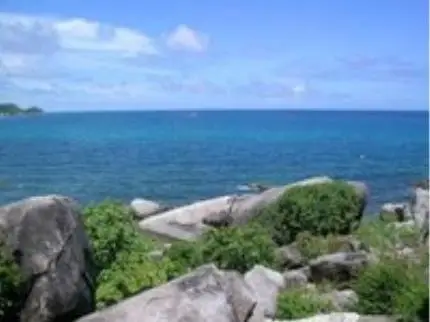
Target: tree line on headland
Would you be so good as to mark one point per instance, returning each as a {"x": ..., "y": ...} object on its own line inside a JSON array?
[{"x": 9, "y": 109}]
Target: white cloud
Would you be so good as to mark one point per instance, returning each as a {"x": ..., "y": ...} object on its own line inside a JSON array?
[
  {"x": 187, "y": 39},
  {"x": 23, "y": 33},
  {"x": 80, "y": 34},
  {"x": 53, "y": 59}
]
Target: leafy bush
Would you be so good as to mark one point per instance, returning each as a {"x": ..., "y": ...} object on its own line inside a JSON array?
[
  {"x": 394, "y": 286},
  {"x": 301, "y": 303},
  {"x": 313, "y": 246},
  {"x": 11, "y": 282},
  {"x": 236, "y": 248},
  {"x": 111, "y": 229},
  {"x": 132, "y": 273},
  {"x": 384, "y": 237},
  {"x": 121, "y": 254},
  {"x": 320, "y": 209}
]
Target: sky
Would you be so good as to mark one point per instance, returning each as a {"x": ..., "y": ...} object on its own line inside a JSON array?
[{"x": 80, "y": 55}]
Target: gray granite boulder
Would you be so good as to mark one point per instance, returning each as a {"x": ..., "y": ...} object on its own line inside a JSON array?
[
  {"x": 144, "y": 208},
  {"x": 339, "y": 267},
  {"x": 191, "y": 221},
  {"x": 49, "y": 243},
  {"x": 297, "y": 278},
  {"x": 290, "y": 257},
  {"x": 206, "y": 294},
  {"x": 266, "y": 284},
  {"x": 184, "y": 223}
]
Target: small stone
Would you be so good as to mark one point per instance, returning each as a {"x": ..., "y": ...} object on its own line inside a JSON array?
[
  {"x": 290, "y": 257},
  {"x": 296, "y": 278},
  {"x": 145, "y": 208}
]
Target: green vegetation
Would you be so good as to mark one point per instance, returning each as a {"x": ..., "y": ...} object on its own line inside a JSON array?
[
  {"x": 394, "y": 286},
  {"x": 322, "y": 209},
  {"x": 10, "y": 109},
  {"x": 236, "y": 248},
  {"x": 121, "y": 254},
  {"x": 315, "y": 218},
  {"x": 313, "y": 246},
  {"x": 384, "y": 237},
  {"x": 11, "y": 282},
  {"x": 301, "y": 303}
]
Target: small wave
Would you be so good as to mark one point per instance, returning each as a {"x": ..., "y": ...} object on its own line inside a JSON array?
[{"x": 243, "y": 187}]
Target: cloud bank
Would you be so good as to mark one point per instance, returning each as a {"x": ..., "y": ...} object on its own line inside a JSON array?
[{"x": 76, "y": 63}]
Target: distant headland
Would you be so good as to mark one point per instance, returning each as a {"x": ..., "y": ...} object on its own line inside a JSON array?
[{"x": 11, "y": 109}]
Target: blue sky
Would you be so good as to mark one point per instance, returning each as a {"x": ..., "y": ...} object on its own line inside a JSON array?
[{"x": 131, "y": 54}]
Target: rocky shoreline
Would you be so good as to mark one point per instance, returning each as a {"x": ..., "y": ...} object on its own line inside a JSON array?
[{"x": 55, "y": 251}]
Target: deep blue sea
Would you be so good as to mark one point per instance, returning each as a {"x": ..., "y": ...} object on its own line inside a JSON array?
[{"x": 177, "y": 157}]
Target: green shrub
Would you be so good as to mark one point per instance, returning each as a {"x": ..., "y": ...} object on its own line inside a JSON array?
[
  {"x": 301, "y": 303},
  {"x": 236, "y": 248},
  {"x": 394, "y": 286},
  {"x": 320, "y": 209},
  {"x": 111, "y": 229},
  {"x": 186, "y": 254},
  {"x": 383, "y": 237},
  {"x": 121, "y": 254},
  {"x": 11, "y": 282},
  {"x": 313, "y": 246},
  {"x": 131, "y": 273}
]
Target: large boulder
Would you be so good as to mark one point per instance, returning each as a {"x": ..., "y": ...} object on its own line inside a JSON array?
[
  {"x": 48, "y": 240},
  {"x": 206, "y": 294},
  {"x": 191, "y": 221},
  {"x": 266, "y": 284},
  {"x": 185, "y": 223},
  {"x": 144, "y": 208},
  {"x": 246, "y": 209}
]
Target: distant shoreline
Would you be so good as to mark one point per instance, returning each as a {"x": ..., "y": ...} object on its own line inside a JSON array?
[
  {"x": 11, "y": 109},
  {"x": 381, "y": 111}
]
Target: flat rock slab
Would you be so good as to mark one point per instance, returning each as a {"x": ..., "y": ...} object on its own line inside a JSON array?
[
  {"x": 191, "y": 221},
  {"x": 184, "y": 223}
]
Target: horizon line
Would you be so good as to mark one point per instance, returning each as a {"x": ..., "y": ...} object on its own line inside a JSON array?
[{"x": 238, "y": 110}]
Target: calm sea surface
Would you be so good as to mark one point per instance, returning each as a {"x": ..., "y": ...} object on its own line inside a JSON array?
[{"x": 177, "y": 157}]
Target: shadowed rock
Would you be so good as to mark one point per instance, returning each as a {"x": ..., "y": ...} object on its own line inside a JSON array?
[{"x": 55, "y": 257}]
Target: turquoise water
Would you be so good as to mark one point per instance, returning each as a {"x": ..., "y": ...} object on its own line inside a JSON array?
[{"x": 178, "y": 157}]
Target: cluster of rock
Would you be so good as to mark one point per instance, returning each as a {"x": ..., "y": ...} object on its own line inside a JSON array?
[
  {"x": 47, "y": 238},
  {"x": 414, "y": 212},
  {"x": 209, "y": 294}
]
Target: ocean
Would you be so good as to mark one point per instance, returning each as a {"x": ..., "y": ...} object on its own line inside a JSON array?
[{"x": 181, "y": 156}]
